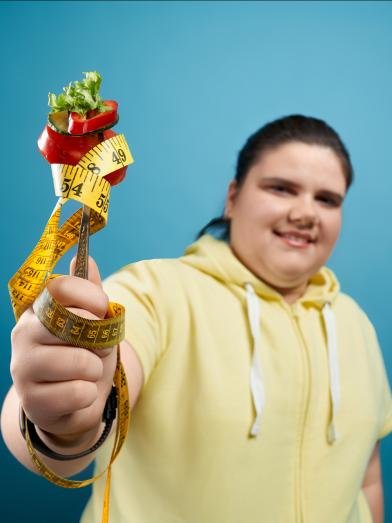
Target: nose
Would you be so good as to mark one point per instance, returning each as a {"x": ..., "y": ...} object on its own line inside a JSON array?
[{"x": 303, "y": 212}]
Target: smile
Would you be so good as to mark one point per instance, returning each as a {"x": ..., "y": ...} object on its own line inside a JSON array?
[{"x": 294, "y": 240}]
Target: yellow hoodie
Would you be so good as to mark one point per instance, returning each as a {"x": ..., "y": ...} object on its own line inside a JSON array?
[{"x": 252, "y": 410}]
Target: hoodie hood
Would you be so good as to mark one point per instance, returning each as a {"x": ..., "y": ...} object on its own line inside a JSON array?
[{"x": 215, "y": 258}]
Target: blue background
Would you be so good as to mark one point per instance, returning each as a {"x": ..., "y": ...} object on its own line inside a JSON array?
[{"x": 193, "y": 80}]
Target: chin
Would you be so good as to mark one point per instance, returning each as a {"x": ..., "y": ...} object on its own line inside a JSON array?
[{"x": 294, "y": 278}]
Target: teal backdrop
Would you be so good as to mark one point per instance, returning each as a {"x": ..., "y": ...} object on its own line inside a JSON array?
[{"x": 193, "y": 80}]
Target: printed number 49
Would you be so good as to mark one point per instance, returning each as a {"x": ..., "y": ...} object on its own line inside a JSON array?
[{"x": 119, "y": 156}]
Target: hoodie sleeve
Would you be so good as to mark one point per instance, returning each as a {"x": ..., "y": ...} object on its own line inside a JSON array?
[
  {"x": 137, "y": 288},
  {"x": 387, "y": 426},
  {"x": 385, "y": 400},
  {"x": 387, "y": 429}
]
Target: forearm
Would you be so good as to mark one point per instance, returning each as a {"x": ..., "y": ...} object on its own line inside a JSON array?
[
  {"x": 17, "y": 445},
  {"x": 375, "y": 498}
]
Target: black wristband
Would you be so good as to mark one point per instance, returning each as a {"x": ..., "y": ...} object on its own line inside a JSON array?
[{"x": 109, "y": 414}]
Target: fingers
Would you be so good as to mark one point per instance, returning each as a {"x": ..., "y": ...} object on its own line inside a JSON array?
[
  {"x": 77, "y": 422},
  {"x": 63, "y": 388},
  {"x": 29, "y": 332},
  {"x": 29, "y": 336},
  {"x": 93, "y": 271},
  {"x": 60, "y": 399},
  {"x": 63, "y": 363},
  {"x": 72, "y": 291}
]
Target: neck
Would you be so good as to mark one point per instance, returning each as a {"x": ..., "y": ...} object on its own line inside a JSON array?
[{"x": 291, "y": 295}]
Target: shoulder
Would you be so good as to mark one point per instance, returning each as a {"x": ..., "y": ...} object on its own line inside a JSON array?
[
  {"x": 352, "y": 316},
  {"x": 156, "y": 272},
  {"x": 345, "y": 304},
  {"x": 161, "y": 281}
]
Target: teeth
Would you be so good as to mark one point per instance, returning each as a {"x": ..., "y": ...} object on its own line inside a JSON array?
[{"x": 295, "y": 239}]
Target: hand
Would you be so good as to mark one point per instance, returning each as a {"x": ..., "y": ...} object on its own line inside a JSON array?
[{"x": 63, "y": 389}]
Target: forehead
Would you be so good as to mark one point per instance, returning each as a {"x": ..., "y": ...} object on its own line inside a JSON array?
[{"x": 304, "y": 164}]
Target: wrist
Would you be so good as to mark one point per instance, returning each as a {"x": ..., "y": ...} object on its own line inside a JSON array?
[
  {"x": 70, "y": 443},
  {"x": 29, "y": 429}
]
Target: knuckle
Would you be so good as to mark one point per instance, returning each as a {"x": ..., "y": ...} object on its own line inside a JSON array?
[
  {"x": 99, "y": 301},
  {"x": 26, "y": 331},
  {"x": 19, "y": 333},
  {"x": 76, "y": 392},
  {"x": 28, "y": 400},
  {"x": 19, "y": 366},
  {"x": 58, "y": 283},
  {"x": 86, "y": 363},
  {"x": 80, "y": 360},
  {"x": 62, "y": 288},
  {"x": 82, "y": 394},
  {"x": 15, "y": 369},
  {"x": 104, "y": 303},
  {"x": 14, "y": 334}
]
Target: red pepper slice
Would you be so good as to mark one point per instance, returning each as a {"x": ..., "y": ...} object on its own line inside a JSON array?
[
  {"x": 60, "y": 148},
  {"x": 93, "y": 121},
  {"x": 64, "y": 148}
]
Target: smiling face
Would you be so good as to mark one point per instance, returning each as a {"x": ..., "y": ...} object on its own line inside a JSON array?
[{"x": 286, "y": 217}]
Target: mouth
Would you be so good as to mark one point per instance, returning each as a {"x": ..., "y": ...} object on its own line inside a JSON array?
[{"x": 296, "y": 238}]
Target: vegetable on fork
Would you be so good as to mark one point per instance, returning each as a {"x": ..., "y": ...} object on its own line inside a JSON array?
[{"x": 79, "y": 120}]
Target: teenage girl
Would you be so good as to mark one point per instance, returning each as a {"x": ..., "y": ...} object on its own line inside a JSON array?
[{"x": 258, "y": 389}]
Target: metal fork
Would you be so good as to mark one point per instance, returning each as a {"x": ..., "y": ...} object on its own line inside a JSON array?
[{"x": 81, "y": 267}]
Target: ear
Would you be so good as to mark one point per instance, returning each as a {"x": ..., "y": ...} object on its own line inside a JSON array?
[{"x": 230, "y": 199}]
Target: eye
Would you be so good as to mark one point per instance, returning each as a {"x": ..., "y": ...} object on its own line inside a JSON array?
[
  {"x": 280, "y": 188},
  {"x": 330, "y": 202}
]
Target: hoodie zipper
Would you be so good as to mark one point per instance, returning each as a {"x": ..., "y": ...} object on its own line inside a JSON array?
[{"x": 300, "y": 518}]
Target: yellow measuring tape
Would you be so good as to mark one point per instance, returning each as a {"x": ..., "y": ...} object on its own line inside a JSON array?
[{"x": 84, "y": 183}]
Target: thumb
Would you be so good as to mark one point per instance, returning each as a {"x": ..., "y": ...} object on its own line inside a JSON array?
[{"x": 93, "y": 271}]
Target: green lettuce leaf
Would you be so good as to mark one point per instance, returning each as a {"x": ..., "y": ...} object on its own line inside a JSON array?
[{"x": 79, "y": 97}]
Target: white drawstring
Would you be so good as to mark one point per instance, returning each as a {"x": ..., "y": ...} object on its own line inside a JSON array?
[
  {"x": 256, "y": 381},
  {"x": 330, "y": 325}
]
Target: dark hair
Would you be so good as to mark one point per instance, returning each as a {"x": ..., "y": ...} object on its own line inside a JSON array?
[{"x": 293, "y": 128}]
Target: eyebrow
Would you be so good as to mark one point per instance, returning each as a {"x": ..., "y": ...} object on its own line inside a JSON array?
[{"x": 275, "y": 179}]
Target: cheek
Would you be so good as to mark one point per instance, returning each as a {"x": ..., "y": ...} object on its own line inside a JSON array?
[
  {"x": 272, "y": 213},
  {"x": 249, "y": 209},
  {"x": 256, "y": 209},
  {"x": 332, "y": 228}
]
